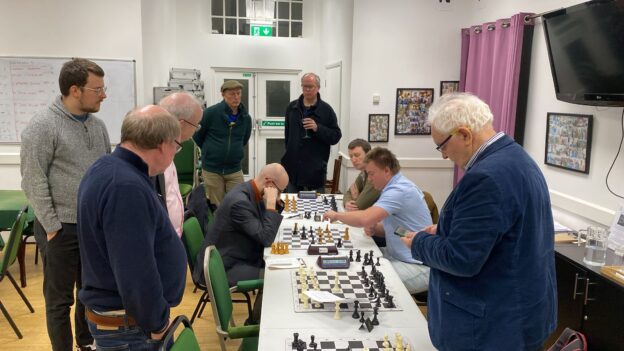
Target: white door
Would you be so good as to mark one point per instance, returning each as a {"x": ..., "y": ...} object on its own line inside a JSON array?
[{"x": 266, "y": 96}]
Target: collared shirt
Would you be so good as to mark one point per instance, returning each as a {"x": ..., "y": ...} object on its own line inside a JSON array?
[
  {"x": 490, "y": 141},
  {"x": 175, "y": 206},
  {"x": 406, "y": 207},
  {"x": 256, "y": 191}
]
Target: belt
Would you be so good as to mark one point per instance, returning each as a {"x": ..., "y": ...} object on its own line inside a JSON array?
[{"x": 110, "y": 321}]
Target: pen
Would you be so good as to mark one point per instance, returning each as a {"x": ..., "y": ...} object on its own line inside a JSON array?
[{"x": 302, "y": 262}]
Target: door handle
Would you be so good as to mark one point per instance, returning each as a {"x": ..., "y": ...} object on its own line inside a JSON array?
[
  {"x": 587, "y": 284},
  {"x": 576, "y": 280}
]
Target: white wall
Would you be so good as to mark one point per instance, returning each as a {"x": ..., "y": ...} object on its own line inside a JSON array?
[
  {"x": 68, "y": 28},
  {"x": 572, "y": 193}
]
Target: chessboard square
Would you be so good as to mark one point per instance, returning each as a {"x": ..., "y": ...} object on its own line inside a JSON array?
[
  {"x": 348, "y": 291},
  {"x": 380, "y": 344},
  {"x": 358, "y": 286},
  {"x": 327, "y": 345},
  {"x": 360, "y": 295},
  {"x": 356, "y": 344},
  {"x": 366, "y": 305}
]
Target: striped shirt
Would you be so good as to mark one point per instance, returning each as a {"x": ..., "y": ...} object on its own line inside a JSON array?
[{"x": 490, "y": 141}]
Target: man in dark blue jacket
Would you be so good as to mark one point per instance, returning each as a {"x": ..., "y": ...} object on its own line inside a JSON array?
[
  {"x": 311, "y": 129},
  {"x": 133, "y": 263},
  {"x": 492, "y": 283}
]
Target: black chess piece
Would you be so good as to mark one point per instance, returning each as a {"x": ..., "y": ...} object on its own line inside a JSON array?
[
  {"x": 355, "y": 314},
  {"x": 378, "y": 262},
  {"x": 363, "y": 273},
  {"x": 375, "y": 313},
  {"x": 390, "y": 302},
  {"x": 366, "y": 283},
  {"x": 365, "y": 259},
  {"x": 325, "y": 202},
  {"x": 296, "y": 341},
  {"x": 312, "y": 241},
  {"x": 371, "y": 291},
  {"x": 300, "y": 347},
  {"x": 362, "y": 317},
  {"x": 339, "y": 244},
  {"x": 378, "y": 303},
  {"x": 350, "y": 255},
  {"x": 312, "y": 344},
  {"x": 304, "y": 235},
  {"x": 358, "y": 258}
]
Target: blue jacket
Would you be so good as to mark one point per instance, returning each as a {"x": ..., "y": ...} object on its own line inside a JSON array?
[
  {"x": 131, "y": 256},
  {"x": 492, "y": 283}
]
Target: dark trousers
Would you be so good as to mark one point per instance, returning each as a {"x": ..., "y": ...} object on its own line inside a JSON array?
[{"x": 61, "y": 278}]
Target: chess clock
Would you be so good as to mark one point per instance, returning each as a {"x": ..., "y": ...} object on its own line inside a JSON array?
[
  {"x": 307, "y": 194},
  {"x": 322, "y": 249},
  {"x": 333, "y": 262}
]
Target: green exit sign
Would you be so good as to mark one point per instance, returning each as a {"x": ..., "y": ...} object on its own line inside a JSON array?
[
  {"x": 273, "y": 123},
  {"x": 261, "y": 31}
]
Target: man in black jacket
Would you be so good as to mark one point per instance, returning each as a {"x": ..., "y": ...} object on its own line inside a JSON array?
[
  {"x": 245, "y": 223},
  {"x": 310, "y": 130}
]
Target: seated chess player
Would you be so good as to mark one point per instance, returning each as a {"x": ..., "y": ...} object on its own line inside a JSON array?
[
  {"x": 361, "y": 194},
  {"x": 401, "y": 205},
  {"x": 246, "y": 221}
]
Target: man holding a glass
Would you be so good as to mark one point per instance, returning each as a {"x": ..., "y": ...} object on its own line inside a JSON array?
[{"x": 311, "y": 129}]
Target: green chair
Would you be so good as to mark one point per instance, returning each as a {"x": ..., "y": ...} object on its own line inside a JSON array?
[
  {"x": 8, "y": 258},
  {"x": 221, "y": 302},
  {"x": 185, "y": 161},
  {"x": 186, "y": 340},
  {"x": 192, "y": 238}
]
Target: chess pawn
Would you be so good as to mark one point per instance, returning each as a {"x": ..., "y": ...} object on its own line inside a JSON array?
[
  {"x": 273, "y": 249},
  {"x": 306, "y": 303},
  {"x": 386, "y": 343},
  {"x": 295, "y": 229},
  {"x": 326, "y": 228},
  {"x": 336, "y": 288},
  {"x": 337, "y": 314},
  {"x": 287, "y": 203},
  {"x": 286, "y": 252},
  {"x": 346, "y": 234},
  {"x": 398, "y": 342}
]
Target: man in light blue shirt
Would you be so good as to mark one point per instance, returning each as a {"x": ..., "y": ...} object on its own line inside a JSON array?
[{"x": 401, "y": 206}]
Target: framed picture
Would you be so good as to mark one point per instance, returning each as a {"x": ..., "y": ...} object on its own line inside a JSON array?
[
  {"x": 568, "y": 141},
  {"x": 378, "y": 126},
  {"x": 449, "y": 86},
  {"x": 412, "y": 108}
]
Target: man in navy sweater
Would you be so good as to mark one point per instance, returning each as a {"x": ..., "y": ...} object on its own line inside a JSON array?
[{"x": 133, "y": 263}]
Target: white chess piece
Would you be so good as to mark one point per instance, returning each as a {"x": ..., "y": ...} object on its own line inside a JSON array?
[
  {"x": 306, "y": 304},
  {"x": 386, "y": 343},
  {"x": 407, "y": 347},
  {"x": 399, "y": 342},
  {"x": 337, "y": 314},
  {"x": 336, "y": 288}
]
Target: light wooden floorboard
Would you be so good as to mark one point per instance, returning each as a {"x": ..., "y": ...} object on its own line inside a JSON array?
[{"x": 33, "y": 325}]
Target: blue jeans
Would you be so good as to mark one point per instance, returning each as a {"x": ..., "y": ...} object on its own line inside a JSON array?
[{"x": 123, "y": 338}]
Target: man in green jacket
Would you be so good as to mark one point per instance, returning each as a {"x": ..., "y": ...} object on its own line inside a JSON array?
[
  {"x": 225, "y": 130},
  {"x": 361, "y": 194}
]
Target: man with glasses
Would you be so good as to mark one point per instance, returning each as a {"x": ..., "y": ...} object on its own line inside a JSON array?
[
  {"x": 134, "y": 264},
  {"x": 188, "y": 111},
  {"x": 226, "y": 129},
  {"x": 492, "y": 252},
  {"x": 311, "y": 128},
  {"x": 58, "y": 146}
]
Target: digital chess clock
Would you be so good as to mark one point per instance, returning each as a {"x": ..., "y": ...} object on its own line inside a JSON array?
[
  {"x": 333, "y": 262},
  {"x": 311, "y": 194}
]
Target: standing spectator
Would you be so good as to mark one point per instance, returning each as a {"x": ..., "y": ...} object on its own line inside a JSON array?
[
  {"x": 58, "y": 146},
  {"x": 134, "y": 266},
  {"x": 311, "y": 129},
  {"x": 493, "y": 284},
  {"x": 226, "y": 128}
]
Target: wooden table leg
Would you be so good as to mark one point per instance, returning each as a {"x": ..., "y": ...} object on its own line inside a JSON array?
[{"x": 21, "y": 253}]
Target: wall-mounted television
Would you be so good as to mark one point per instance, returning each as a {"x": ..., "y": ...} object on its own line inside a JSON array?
[{"x": 586, "y": 51}]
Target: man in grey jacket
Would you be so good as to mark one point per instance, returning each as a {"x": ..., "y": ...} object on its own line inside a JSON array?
[{"x": 58, "y": 146}]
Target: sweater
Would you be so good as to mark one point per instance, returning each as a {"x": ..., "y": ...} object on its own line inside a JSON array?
[{"x": 55, "y": 153}]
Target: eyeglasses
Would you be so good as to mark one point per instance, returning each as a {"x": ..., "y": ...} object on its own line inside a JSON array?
[
  {"x": 178, "y": 146},
  {"x": 308, "y": 87},
  {"x": 98, "y": 91},
  {"x": 276, "y": 187},
  {"x": 197, "y": 126},
  {"x": 448, "y": 138}
]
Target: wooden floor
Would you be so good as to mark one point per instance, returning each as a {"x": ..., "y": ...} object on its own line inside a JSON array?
[{"x": 33, "y": 326}]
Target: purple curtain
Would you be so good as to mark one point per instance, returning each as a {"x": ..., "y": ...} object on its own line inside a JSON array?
[{"x": 490, "y": 68}]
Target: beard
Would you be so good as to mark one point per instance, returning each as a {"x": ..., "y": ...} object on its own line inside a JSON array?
[{"x": 89, "y": 108}]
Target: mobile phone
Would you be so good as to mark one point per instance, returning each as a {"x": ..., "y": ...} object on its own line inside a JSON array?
[{"x": 400, "y": 231}]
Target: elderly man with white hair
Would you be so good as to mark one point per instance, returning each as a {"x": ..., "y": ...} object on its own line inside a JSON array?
[{"x": 492, "y": 280}]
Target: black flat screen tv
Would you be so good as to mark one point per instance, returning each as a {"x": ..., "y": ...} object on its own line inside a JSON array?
[{"x": 586, "y": 51}]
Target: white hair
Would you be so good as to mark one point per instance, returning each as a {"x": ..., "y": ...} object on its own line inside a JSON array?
[
  {"x": 459, "y": 109},
  {"x": 182, "y": 105},
  {"x": 317, "y": 80}
]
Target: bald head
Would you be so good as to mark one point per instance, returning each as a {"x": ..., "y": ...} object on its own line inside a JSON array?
[
  {"x": 186, "y": 109},
  {"x": 274, "y": 175}
]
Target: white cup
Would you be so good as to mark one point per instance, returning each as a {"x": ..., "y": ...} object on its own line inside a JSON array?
[{"x": 596, "y": 246}]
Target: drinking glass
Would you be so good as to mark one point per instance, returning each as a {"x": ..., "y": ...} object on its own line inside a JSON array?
[{"x": 596, "y": 246}]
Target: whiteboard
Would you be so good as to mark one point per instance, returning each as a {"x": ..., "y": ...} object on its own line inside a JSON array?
[{"x": 30, "y": 84}]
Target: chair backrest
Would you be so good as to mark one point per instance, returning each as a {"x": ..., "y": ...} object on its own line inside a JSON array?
[
  {"x": 192, "y": 238},
  {"x": 218, "y": 288},
  {"x": 433, "y": 208},
  {"x": 13, "y": 243},
  {"x": 335, "y": 181},
  {"x": 185, "y": 162},
  {"x": 186, "y": 341}
]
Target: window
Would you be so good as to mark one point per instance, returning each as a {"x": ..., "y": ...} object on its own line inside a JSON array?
[{"x": 276, "y": 18}]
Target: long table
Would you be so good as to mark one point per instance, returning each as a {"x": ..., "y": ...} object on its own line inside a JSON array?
[{"x": 279, "y": 320}]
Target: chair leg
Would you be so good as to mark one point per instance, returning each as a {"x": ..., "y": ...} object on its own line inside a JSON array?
[
  {"x": 200, "y": 306},
  {"x": 19, "y": 291},
  {"x": 8, "y": 317},
  {"x": 21, "y": 260},
  {"x": 248, "y": 302},
  {"x": 36, "y": 253}
]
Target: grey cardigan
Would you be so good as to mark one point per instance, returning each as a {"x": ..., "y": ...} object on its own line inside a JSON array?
[{"x": 55, "y": 153}]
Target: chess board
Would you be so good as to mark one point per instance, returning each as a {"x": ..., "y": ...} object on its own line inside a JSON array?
[
  {"x": 345, "y": 344},
  {"x": 352, "y": 287},
  {"x": 310, "y": 205},
  {"x": 296, "y": 243}
]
